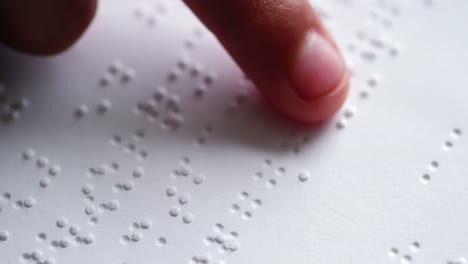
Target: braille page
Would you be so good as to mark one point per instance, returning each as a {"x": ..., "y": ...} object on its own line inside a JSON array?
[{"x": 145, "y": 143}]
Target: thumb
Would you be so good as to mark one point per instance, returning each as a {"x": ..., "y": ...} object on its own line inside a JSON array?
[
  {"x": 45, "y": 26},
  {"x": 285, "y": 50}
]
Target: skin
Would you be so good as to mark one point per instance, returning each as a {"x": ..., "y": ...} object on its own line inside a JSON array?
[{"x": 265, "y": 37}]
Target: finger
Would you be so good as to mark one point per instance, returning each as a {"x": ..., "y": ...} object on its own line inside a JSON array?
[
  {"x": 44, "y": 26},
  {"x": 284, "y": 48}
]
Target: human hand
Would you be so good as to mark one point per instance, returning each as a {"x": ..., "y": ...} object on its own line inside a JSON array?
[{"x": 280, "y": 44}]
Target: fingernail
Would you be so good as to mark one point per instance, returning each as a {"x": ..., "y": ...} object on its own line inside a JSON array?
[{"x": 318, "y": 69}]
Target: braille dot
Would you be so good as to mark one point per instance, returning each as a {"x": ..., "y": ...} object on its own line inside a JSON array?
[
  {"x": 64, "y": 243},
  {"x": 341, "y": 124},
  {"x": 128, "y": 185},
  {"x": 161, "y": 242},
  {"x": 406, "y": 259},
  {"x": 173, "y": 75},
  {"x": 81, "y": 111},
  {"x": 218, "y": 227},
  {"x": 44, "y": 182},
  {"x": 448, "y": 145},
  {"x": 62, "y": 222},
  {"x": 204, "y": 259},
  {"x": 104, "y": 106},
  {"x": 198, "y": 179},
  {"x": 271, "y": 183},
  {"x": 128, "y": 74},
  {"x": 136, "y": 237},
  {"x": 184, "y": 199},
  {"x": 231, "y": 245},
  {"x": 146, "y": 223},
  {"x": 244, "y": 195},
  {"x": 41, "y": 237},
  {"x": 29, "y": 154},
  {"x": 234, "y": 208},
  {"x": 174, "y": 211},
  {"x": 196, "y": 69},
  {"x": 54, "y": 170},
  {"x": 425, "y": 178},
  {"x": 106, "y": 80},
  {"x": 36, "y": 255},
  {"x": 171, "y": 191},
  {"x": 116, "y": 67},
  {"x": 415, "y": 246},
  {"x": 256, "y": 203},
  {"x": 116, "y": 140},
  {"x": 258, "y": 176},
  {"x": 209, "y": 78},
  {"x": 188, "y": 218},
  {"x": 88, "y": 239},
  {"x": 456, "y": 133},
  {"x": 29, "y": 202},
  {"x": 42, "y": 162},
  {"x": 138, "y": 172},
  {"x": 19, "y": 204},
  {"x": 113, "y": 205},
  {"x": 247, "y": 215},
  {"x": 304, "y": 176},
  {"x": 434, "y": 165},
  {"x": 87, "y": 189},
  {"x": 220, "y": 239},
  {"x": 49, "y": 261},
  {"x": 90, "y": 209},
  {"x": 74, "y": 230},
  {"x": 4, "y": 235}
]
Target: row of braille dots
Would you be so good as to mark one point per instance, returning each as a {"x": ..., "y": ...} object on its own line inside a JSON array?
[
  {"x": 351, "y": 111},
  {"x": 162, "y": 106},
  {"x": 131, "y": 145},
  {"x": 103, "y": 169},
  {"x": 369, "y": 47},
  {"x": 244, "y": 200},
  {"x": 225, "y": 241},
  {"x": 73, "y": 230},
  {"x": 185, "y": 171},
  {"x": 11, "y": 110},
  {"x": 193, "y": 39},
  {"x": 37, "y": 256},
  {"x": 294, "y": 141},
  {"x": 103, "y": 107},
  {"x": 149, "y": 14},
  {"x": 117, "y": 70},
  {"x": 269, "y": 174},
  {"x": 20, "y": 203},
  {"x": 385, "y": 14},
  {"x": 405, "y": 258},
  {"x": 446, "y": 146}
]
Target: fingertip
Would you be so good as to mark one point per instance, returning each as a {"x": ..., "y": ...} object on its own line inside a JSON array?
[{"x": 45, "y": 27}]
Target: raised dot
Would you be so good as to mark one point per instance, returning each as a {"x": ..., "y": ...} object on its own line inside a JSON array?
[
  {"x": 88, "y": 239},
  {"x": 42, "y": 162},
  {"x": 106, "y": 80},
  {"x": 448, "y": 145},
  {"x": 87, "y": 189},
  {"x": 128, "y": 74},
  {"x": 425, "y": 178},
  {"x": 456, "y": 133},
  {"x": 184, "y": 199},
  {"x": 44, "y": 182},
  {"x": 64, "y": 243},
  {"x": 244, "y": 195},
  {"x": 41, "y": 237},
  {"x": 113, "y": 205},
  {"x": 74, "y": 230},
  {"x": 188, "y": 218},
  {"x": 29, "y": 154},
  {"x": 49, "y": 261},
  {"x": 90, "y": 209},
  {"x": 161, "y": 242},
  {"x": 198, "y": 179},
  {"x": 247, "y": 215},
  {"x": 434, "y": 165},
  {"x": 146, "y": 223},
  {"x": 174, "y": 211},
  {"x": 104, "y": 106},
  {"x": 29, "y": 202},
  {"x": 258, "y": 175},
  {"x": 234, "y": 208},
  {"x": 54, "y": 170},
  {"x": 136, "y": 237},
  {"x": 415, "y": 246},
  {"x": 62, "y": 222},
  {"x": 271, "y": 183},
  {"x": 256, "y": 203},
  {"x": 204, "y": 259},
  {"x": 138, "y": 172},
  {"x": 81, "y": 111},
  {"x": 171, "y": 191},
  {"x": 406, "y": 259},
  {"x": 128, "y": 185},
  {"x": 36, "y": 255},
  {"x": 218, "y": 227},
  {"x": 304, "y": 176},
  {"x": 220, "y": 239},
  {"x": 116, "y": 67},
  {"x": 4, "y": 235}
]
